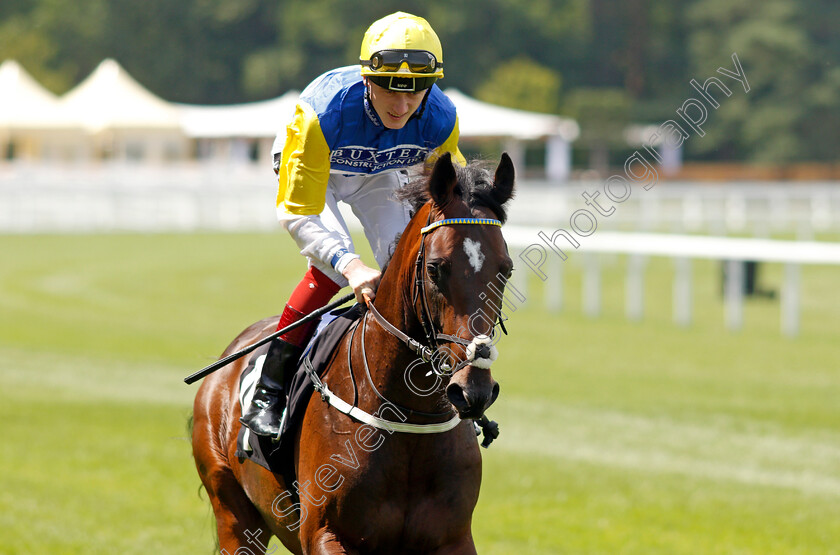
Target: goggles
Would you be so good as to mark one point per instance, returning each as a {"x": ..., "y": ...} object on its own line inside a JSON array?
[{"x": 390, "y": 61}]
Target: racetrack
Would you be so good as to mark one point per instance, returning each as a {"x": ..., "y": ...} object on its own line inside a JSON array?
[{"x": 617, "y": 436}]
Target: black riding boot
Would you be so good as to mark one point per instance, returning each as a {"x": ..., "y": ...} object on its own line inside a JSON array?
[{"x": 266, "y": 409}]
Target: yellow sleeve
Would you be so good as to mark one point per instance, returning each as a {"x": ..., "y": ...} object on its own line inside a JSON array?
[
  {"x": 305, "y": 165},
  {"x": 449, "y": 145}
]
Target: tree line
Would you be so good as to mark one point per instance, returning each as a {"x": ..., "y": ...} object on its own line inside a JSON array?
[{"x": 603, "y": 62}]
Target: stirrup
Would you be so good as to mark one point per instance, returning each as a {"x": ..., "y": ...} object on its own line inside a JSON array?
[{"x": 261, "y": 417}]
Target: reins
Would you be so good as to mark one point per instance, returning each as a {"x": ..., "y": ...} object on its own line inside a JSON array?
[
  {"x": 373, "y": 385},
  {"x": 426, "y": 352},
  {"x": 426, "y": 319},
  {"x": 422, "y": 351},
  {"x": 478, "y": 351}
]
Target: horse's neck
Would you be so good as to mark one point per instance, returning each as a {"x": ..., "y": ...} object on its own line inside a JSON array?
[
  {"x": 391, "y": 364},
  {"x": 393, "y": 302},
  {"x": 393, "y": 297},
  {"x": 388, "y": 357}
]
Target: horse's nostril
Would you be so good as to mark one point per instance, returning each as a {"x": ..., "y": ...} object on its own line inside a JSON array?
[{"x": 455, "y": 394}]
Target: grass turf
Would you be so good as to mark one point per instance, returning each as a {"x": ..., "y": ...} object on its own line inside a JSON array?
[{"x": 617, "y": 436}]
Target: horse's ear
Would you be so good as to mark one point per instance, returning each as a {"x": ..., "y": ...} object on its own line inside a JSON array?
[
  {"x": 443, "y": 180},
  {"x": 503, "y": 180}
]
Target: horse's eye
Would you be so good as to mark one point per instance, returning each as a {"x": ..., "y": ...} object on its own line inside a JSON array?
[{"x": 433, "y": 269}]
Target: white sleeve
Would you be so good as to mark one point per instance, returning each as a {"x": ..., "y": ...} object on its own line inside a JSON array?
[{"x": 317, "y": 241}]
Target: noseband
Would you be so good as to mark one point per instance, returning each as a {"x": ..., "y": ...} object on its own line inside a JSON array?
[{"x": 478, "y": 348}]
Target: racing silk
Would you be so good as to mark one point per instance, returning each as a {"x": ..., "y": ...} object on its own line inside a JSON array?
[{"x": 335, "y": 130}]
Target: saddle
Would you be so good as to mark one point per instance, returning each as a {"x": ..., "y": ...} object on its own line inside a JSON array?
[{"x": 276, "y": 454}]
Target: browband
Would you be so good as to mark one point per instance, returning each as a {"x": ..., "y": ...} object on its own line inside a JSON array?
[{"x": 454, "y": 221}]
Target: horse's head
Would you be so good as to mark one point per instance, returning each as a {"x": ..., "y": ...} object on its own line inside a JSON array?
[{"x": 458, "y": 274}]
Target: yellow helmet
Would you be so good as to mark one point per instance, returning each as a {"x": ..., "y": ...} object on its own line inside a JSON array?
[{"x": 402, "y": 52}]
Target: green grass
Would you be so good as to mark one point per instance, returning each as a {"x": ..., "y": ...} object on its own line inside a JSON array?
[{"x": 617, "y": 437}]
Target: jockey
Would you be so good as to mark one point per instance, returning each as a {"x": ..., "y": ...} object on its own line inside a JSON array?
[{"x": 352, "y": 138}]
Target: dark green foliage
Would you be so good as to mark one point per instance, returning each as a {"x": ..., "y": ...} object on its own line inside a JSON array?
[{"x": 515, "y": 52}]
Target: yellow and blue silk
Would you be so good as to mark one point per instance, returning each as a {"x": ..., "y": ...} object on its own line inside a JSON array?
[{"x": 335, "y": 130}]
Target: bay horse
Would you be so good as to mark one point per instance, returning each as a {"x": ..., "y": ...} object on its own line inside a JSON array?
[{"x": 364, "y": 483}]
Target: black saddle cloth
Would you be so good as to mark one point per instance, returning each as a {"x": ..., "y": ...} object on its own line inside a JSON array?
[{"x": 277, "y": 456}]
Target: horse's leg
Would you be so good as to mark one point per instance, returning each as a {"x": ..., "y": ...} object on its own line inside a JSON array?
[{"x": 238, "y": 522}]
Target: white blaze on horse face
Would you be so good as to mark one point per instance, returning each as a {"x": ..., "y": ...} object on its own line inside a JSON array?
[{"x": 474, "y": 254}]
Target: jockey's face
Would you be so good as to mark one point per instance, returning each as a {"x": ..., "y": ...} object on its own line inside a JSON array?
[{"x": 393, "y": 107}]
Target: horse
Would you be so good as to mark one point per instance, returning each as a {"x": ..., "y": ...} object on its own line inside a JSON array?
[{"x": 417, "y": 361}]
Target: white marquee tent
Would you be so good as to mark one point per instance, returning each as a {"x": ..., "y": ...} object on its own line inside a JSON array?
[
  {"x": 32, "y": 123},
  {"x": 477, "y": 119},
  {"x": 254, "y": 119},
  {"x": 125, "y": 120},
  {"x": 228, "y": 131},
  {"x": 109, "y": 98},
  {"x": 238, "y": 131},
  {"x": 480, "y": 120}
]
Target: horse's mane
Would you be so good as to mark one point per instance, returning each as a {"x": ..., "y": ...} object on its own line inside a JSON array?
[{"x": 475, "y": 185}]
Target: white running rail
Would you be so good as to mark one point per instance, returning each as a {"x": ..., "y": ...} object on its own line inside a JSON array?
[{"x": 534, "y": 255}]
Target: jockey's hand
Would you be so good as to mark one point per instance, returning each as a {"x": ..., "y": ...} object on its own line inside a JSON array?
[{"x": 362, "y": 279}]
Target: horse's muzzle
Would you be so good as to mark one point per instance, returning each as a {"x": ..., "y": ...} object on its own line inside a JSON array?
[{"x": 472, "y": 391}]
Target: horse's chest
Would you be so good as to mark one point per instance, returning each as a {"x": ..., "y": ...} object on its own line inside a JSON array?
[
  {"x": 395, "y": 526},
  {"x": 392, "y": 497}
]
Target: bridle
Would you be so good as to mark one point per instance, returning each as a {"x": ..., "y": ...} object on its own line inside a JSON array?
[{"x": 477, "y": 349}]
